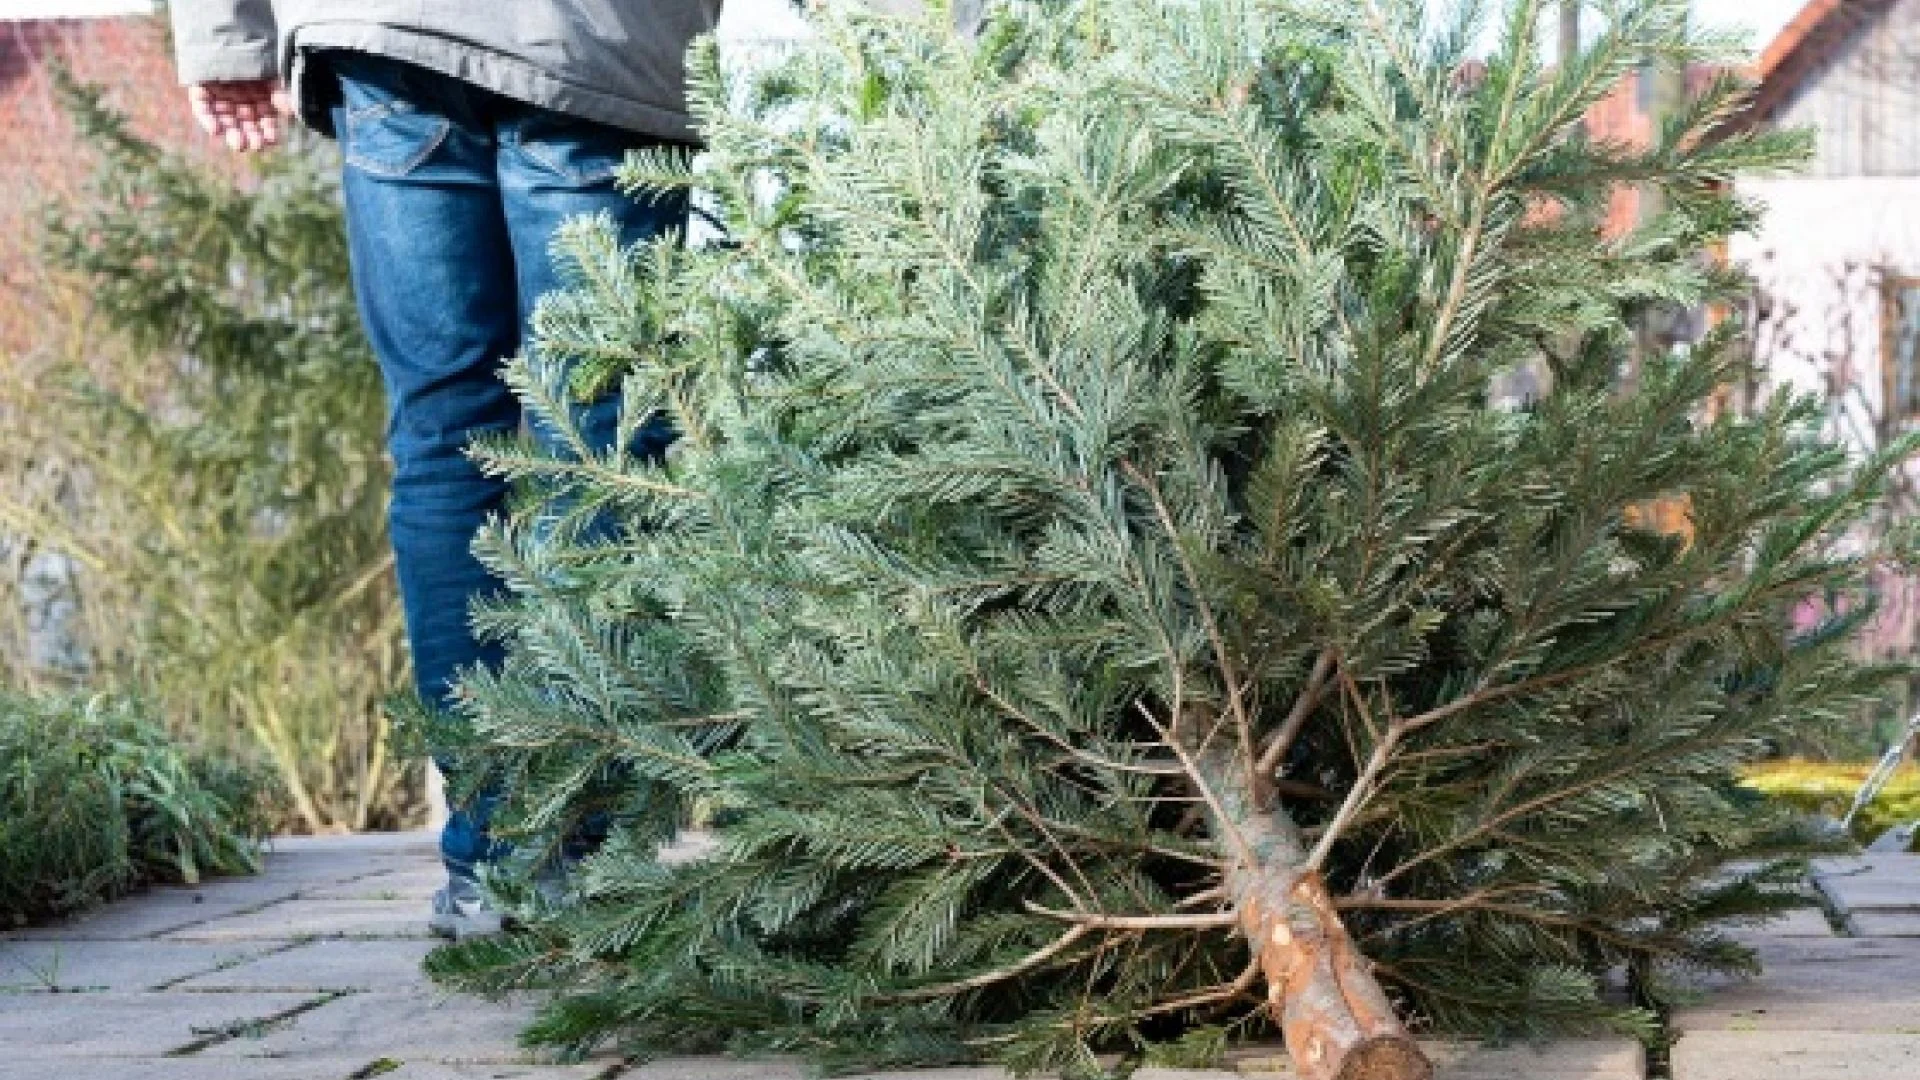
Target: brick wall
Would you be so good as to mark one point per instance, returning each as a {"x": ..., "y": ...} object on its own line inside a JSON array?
[
  {"x": 41, "y": 158},
  {"x": 1623, "y": 116}
]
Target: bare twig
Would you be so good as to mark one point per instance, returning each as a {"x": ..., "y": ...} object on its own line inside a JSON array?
[
  {"x": 1200, "y": 921},
  {"x": 1363, "y": 785},
  {"x": 1223, "y": 992},
  {"x": 1303, "y": 706},
  {"x": 1017, "y": 968}
]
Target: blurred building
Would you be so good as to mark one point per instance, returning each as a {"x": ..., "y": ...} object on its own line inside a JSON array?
[
  {"x": 1836, "y": 261},
  {"x": 1629, "y": 115}
]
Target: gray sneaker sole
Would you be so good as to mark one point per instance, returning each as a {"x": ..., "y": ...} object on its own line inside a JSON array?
[{"x": 461, "y": 926}]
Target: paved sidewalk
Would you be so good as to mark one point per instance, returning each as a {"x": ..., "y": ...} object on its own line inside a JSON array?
[
  {"x": 310, "y": 971},
  {"x": 1828, "y": 1005}
]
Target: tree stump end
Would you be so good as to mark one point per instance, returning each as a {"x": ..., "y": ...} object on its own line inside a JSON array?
[{"x": 1386, "y": 1057}]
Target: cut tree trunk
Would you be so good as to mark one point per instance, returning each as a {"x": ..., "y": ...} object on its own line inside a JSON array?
[{"x": 1336, "y": 1020}]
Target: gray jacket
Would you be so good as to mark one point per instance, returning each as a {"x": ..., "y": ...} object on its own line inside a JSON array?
[{"x": 620, "y": 62}]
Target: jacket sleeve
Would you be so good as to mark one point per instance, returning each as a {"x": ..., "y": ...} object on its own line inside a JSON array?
[{"x": 224, "y": 40}]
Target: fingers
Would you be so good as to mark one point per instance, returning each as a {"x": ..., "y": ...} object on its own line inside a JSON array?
[
  {"x": 243, "y": 115},
  {"x": 279, "y": 103},
  {"x": 201, "y": 103},
  {"x": 243, "y": 128}
]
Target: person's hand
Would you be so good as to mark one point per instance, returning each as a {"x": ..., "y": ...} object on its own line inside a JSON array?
[{"x": 244, "y": 115}]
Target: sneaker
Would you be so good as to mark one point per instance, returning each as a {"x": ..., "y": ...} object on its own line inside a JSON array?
[{"x": 460, "y": 911}]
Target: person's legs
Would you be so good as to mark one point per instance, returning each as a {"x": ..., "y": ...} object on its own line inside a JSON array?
[
  {"x": 433, "y": 272},
  {"x": 554, "y": 168}
]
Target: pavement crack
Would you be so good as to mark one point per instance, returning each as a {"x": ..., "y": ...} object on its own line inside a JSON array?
[
  {"x": 303, "y": 893},
  {"x": 252, "y": 909},
  {"x": 228, "y": 964},
  {"x": 249, "y": 1027}
]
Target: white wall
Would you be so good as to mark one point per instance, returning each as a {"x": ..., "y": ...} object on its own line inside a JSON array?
[{"x": 1818, "y": 258}]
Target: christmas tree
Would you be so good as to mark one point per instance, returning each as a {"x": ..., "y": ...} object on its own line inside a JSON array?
[{"x": 1097, "y": 592}]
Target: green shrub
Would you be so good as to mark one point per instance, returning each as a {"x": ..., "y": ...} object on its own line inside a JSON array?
[
  {"x": 1829, "y": 788},
  {"x": 206, "y": 450},
  {"x": 95, "y": 798}
]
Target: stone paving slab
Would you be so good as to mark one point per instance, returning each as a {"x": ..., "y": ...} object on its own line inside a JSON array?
[
  {"x": 724, "y": 1068},
  {"x": 1864, "y": 893},
  {"x": 143, "y": 915},
  {"x": 419, "y": 842},
  {"x": 324, "y": 965},
  {"x": 305, "y": 876},
  {"x": 78, "y": 966},
  {"x": 228, "y": 893},
  {"x": 1573, "y": 1059},
  {"x": 721, "y": 1068},
  {"x": 1808, "y": 984},
  {"x": 1885, "y": 924},
  {"x": 203, "y": 1068},
  {"x": 1800, "y": 922},
  {"x": 409, "y": 885},
  {"x": 185, "y": 1068},
  {"x": 316, "y": 860},
  {"x": 313, "y": 919},
  {"x": 1800, "y": 1055},
  {"x": 1894, "y": 864},
  {"x": 1871, "y": 881},
  {"x": 412, "y": 1026},
  {"x": 913, "y": 1074},
  {"x": 311, "y": 858},
  {"x": 328, "y": 940},
  {"x": 1797, "y": 953},
  {"x": 115, "y": 1024}
]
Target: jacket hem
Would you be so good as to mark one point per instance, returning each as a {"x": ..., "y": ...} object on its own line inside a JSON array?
[
  {"x": 491, "y": 70},
  {"x": 225, "y": 63}
]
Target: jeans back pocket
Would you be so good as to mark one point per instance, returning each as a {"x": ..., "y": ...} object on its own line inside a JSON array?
[{"x": 382, "y": 131}]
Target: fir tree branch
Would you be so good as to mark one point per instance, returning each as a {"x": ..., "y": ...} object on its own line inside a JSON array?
[
  {"x": 1364, "y": 785},
  {"x": 1229, "y": 670},
  {"x": 1283, "y": 738},
  {"x": 1014, "y": 970},
  {"x": 1026, "y": 855},
  {"x": 1487, "y": 694},
  {"x": 1088, "y": 758},
  {"x": 593, "y": 468},
  {"x": 1428, "y": 910},
  {"x": 1209, "y": 921},
  {"x": 1380, "y": 111},
  {"x": 965, "y": 294},
  {"x": 1202, "y": 898},
  {"x": 1224, "y": 992},
  {"x": 1629, "y": 766},
  {"x": 1077, "y": 753}
]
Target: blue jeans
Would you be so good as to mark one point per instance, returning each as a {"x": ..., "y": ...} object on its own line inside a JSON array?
[{"x": 453, "y": 194}]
